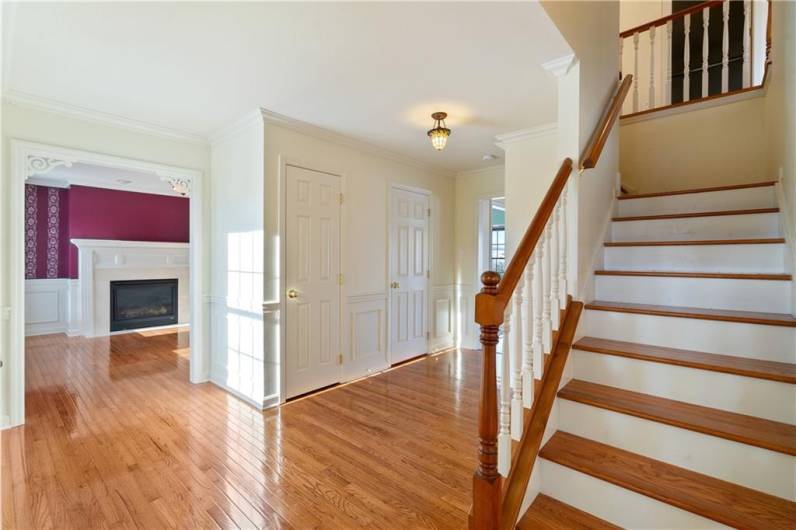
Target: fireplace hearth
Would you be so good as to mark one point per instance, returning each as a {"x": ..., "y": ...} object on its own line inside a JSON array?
[{"x": 139, "y": 304}]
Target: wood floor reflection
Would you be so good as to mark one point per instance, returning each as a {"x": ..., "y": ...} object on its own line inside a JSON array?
[{"x": 117, "y": 437}]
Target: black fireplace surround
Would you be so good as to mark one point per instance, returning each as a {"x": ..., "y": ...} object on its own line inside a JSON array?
[{"x": 143, "y": 304}]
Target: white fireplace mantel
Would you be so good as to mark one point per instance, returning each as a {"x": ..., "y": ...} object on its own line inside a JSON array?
[{"x": 103, "y": 260}]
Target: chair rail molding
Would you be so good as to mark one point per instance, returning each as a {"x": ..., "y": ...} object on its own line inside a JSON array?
[{"x": 28, "y": 159}]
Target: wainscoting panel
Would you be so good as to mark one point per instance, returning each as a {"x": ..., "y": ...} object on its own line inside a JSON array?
[
  {"x": 468, "y": 331},
  {"x": 365, "y": 335},
  {"x": 46, "y": 306},
  {"x": 443, "y": 318},
  {"x": 237, "y": 342}
]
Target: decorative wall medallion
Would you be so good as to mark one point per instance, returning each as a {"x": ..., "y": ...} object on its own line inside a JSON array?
[
  {"x": 39, "y": 165},
  {"x": 178, "y": 185}
]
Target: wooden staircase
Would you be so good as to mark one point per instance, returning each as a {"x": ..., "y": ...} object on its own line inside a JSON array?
[{"x": 681, "y": 410}]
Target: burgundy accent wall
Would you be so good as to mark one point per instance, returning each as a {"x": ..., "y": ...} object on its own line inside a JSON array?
[{"x": 96, "y": 213}]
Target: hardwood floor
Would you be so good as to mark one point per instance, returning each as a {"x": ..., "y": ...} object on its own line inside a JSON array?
[{"x": 116, "y": 437}]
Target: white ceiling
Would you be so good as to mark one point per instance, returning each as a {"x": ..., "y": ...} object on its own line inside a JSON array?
[
  {"x": 371, "y": 71},
  {"x": 104, "y": 177}
]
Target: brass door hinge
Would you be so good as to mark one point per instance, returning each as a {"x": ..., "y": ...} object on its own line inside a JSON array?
[
  {"x": 340, "y": 279},
  {"x": 429, "y": 212},
  {"x": 340, "y": 359},
  {"x": 428, "y": 335}
]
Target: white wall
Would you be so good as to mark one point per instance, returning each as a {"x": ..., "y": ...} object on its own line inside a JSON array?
[
  {"x": 703, "y": 147},
  {"x": 591, "y": 29},
  {"x": 237, "y": 351},
  {"x": 247, "y": 199},
  {"x": 64, "y": 130},
  {"x": 531, "y": 164},
  {"x": 780, "y": 115},
  {"x": 471, "y": 188}
]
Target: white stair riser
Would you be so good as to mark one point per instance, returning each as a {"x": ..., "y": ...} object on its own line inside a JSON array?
[
  {"x": 615, "y": 504},
  {"x": 749, "y": 466},
  {"x": 745, "y": 395},
  {"x": 769, "y": 258},
  {"x": 713, "y": 201},
  {"x": 710, "y": 293},
  {"x": 698, "y": 228},
  {"x": 772, "y": 343}
]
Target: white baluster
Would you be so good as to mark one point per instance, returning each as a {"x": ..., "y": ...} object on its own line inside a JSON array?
[
  {"x": 725, "y": 47},
  {"x": 747, "y": 36},
  {"x": 555, "y": 261},
  {"x": 562, "y": 250},
  {"x": 547, "y": 328},
  {"x": 705, "y": 50},
  {"x": 652, "y": 69},
  {"x": 687, "y": 59},
  {"x": 528, "y": 334},
  {"x": 635, "y": 71},
  {"x": 504, "y": 417},
  {"x": 667, "y": 54},
  {"x": 538, "y": 320},
  {"x": 516, "y": 364}
]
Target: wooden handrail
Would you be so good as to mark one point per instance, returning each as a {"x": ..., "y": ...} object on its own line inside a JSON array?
[
  {"x": 674, "y": 16},
  {"x": 592, "y": 153},
  {"x": 489, "y": 510}
]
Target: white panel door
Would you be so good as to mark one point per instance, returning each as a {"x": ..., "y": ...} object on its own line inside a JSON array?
[
  {"x": 408, "y": 274},
  {"x": 312, "y": 245}
]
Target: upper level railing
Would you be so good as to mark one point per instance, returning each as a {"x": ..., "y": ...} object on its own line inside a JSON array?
[
  {"x": 527, "y": 302},
  {"x": 708, "y": 50}
]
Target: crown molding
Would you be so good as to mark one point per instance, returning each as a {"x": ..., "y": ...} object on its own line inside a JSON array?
[
  {"x": 503, "y": 140},
  {"x": 347, "y": 141},
  {"x": 236, "y": 127},
  {"x": 21, "y": 99},
  {"x": 467, "y": 173},
  {"x": 268, "y": 117},
  {"x": 561, "y": 66}
]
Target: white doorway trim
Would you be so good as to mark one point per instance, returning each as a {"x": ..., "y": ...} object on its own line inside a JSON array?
[
  {"x": 280, "y": 300},
  {"x": 29, "y": 158},
  {"x": 430, "y": 250}
]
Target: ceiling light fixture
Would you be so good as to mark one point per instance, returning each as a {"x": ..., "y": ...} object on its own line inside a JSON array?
[{"x": 439, "y": 134}]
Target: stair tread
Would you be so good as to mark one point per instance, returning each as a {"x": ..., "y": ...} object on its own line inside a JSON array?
[
  {"x": 745, "y": 366},
  {"x": 547, "y": 513},
  {"x": 713, "y": 275},
  {"x": 698, "y": 190},
  {"x": 716, "y": 213},
  {"x": 709, "y": 497},
  {"x": 697, "y": 242},
  {"x": 768, "y": 434},
  {"x": 726, "y": 315}
]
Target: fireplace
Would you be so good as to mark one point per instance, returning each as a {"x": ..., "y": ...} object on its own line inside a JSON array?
[{"x": 143, "y": 303}]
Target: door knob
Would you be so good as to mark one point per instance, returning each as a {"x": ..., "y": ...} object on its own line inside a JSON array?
[
  {"x": 292, "y": 293},
  {"x": 395, "y": 285}
]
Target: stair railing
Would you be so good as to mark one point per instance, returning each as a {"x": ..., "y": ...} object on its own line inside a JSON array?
[
  {"x": 527, "y": 301},
  {"x": 652, "y": 44}
]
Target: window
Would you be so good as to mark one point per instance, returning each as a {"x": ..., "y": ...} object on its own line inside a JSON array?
[{"x": 497, "y": 239}]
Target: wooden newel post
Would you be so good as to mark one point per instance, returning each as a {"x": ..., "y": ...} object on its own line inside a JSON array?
[{"x": 487, "y": 480}]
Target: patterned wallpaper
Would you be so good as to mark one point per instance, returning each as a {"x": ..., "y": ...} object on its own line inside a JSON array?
[{"x": 46, "y": 240}]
